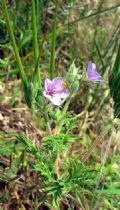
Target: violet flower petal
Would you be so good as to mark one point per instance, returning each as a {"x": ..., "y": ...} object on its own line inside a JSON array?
[
  {"x": 92, "y": 73},
  {"x": 58, "y": 84},
  {"x": 64, "y": 94},
  {"x": 47, "y": 83},
  {"x": 47, "y": 95},
  {"x": 56, "y": 100}
]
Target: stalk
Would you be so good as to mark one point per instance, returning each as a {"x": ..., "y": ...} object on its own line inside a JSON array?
[
  {"x": 16, "y": 52},
  {"x": 63, "y": 113},
  {"x": 52, "y": 59},
  {"x": 36, "y": 71},
  {"x": 35, "y": 44}
]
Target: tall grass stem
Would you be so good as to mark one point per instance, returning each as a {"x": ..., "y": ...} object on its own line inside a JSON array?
[
  {"x": 52, "y": 59},
  {"x": 35, "y": 44},
  {"x": 15, "y": 48}
]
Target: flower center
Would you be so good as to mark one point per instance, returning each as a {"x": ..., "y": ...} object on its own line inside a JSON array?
[
  {"x": 51, "y": 90},
  {"x": 65, "y": 85}
]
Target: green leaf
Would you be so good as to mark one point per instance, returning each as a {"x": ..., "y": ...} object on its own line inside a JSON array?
[
  {"x": 114, "y": 83},
  {"x": 30, "y": 94},
  {"x": 3, "y": 63},
  {"x": 44, "y": 169},
  {"x": 30, "y": 147},
  {"x": 111, "y": 191},
  {"x": 6, "y": 150},
  {"x": 25, "y": 39}
]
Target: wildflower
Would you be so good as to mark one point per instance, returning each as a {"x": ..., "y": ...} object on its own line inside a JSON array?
[
  {"x": 92, "y": 73},
  {"x": 55, "y": 90}
]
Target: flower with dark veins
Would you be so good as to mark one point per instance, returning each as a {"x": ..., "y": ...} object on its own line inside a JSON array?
[
  {"x": 55, "y": 90},
  {"x": 92, "y": 73}
]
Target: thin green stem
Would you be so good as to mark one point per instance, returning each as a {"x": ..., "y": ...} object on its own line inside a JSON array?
[
  {"x": 98, "y": 51},
  {"x": 34, "y": 28},
  {"x": 47, "y": 123},
  {"x": 52, "y": 59},
  {"x": 96, "y": 143},
  {"x": 35, "y": 44},
  {"x": 60, "y": 123},
  {"x": 37, "y": 63},
  {"x": 45, "y": 115},
  {"x": 114, "y": 37},
  {"x": 18, "y": 59}
]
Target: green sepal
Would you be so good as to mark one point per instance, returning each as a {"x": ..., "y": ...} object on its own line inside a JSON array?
[{"x": 72, "y": 78}]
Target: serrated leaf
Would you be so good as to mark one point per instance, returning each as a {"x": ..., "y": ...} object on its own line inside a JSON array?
[
  {"x": 6, "y": 150},
  {"x": 28, "y": 143}
]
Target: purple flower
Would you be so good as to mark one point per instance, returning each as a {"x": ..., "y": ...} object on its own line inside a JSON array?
[
  {"x": 55, "y": 90},
  {"x": 92, "y": 73}
]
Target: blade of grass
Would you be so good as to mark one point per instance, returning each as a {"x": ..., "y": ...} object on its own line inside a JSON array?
[
  {"x": 28, "y": 70},
  {"x": 110, "y": 49},
  {"x": 111, "y": 191},
  {"x": 99, "y": 51},
  {"x": 97, "y": 142},
  {"x": 38, "y": 61},
  {"x": 18, "y": 59},
  {"x": 95, "y": 13},
  {"x": 41, "y": 46},
  {"x": 114, "y": 84},
  {"x": 111, "y": 42},
  {"x": 52, "y": 59},
  {"x": 34, "y": 29},
  {"x": 14, "y": 71},
  {"x": 35, "y": 44},
  {"x": 64, "y": 28},
  {"x": 96, "y": 29}
]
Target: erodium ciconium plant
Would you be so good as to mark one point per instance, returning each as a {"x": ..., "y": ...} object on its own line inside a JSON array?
[{"x": 60, "y": 176}]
